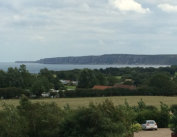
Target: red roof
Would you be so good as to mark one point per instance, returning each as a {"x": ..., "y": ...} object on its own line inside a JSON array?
[
  {"x": 131, "y": 87},
  {"x": 99, "y": 87}
]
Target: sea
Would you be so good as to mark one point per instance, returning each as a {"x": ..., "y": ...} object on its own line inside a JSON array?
[{"x": 36, "y": 67}]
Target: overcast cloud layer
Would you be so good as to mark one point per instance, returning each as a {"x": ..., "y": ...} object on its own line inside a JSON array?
[{"x": 34, "y": 29}]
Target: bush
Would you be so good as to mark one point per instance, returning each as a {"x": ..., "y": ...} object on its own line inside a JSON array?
[
  {"x": 12, "y": 92},
  {"x": 47, "y": 120},
  {"x": 164, "y": 116},
  {"x": 173, "y": 108},
  {"x": 144, "y": 91},
  {"x": 144, "y": 112},
  {"x": 147, "y": 115},
  {"x": 103, "y": 120},
  {"x": 11, "y": 123},
  {"x": 173, "y": 123},
  {"x": 136, "y": 127},
  {"x": 42, "y": 118}
]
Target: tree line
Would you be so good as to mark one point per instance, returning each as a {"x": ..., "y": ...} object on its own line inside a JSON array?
[
  {"x": 21, "y": 81},
  {"x": 149, "y": 81}
]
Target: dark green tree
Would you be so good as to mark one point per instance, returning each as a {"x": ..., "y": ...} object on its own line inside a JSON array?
[
  {"x": 87, "y": 79},
  {"x": 40, "y": 85},
  {"x": 11, "y": 124},
  {"x": 3, "y": 79},
  {"x": 162, "y": 82},
  {"x": 42, "y": 119}
]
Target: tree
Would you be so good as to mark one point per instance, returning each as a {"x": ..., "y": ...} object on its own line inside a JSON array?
[
  {"x": 47, "y": 74},
  {"x": 11, "y": 124},
  {"x": 14, "y": 78},
  {"x": 3, "y": 79},
  {"x": 42, "y": 118},
  {"x": 103, "y": 120},
  {"x": 111, "y": 80},
  {"x": 162, "y": 82},
  {"x": 87, "y": 79},
  {"x": 27, "y": 78},
  {"x": 41, "y": 85}
]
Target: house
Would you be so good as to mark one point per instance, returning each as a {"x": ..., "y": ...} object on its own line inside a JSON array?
[
  {"x": 45, "y": 95},
  {"x": 128, "y": 80},
  {"x": 69, "y": 82},
  {"x": 130, "y": 87},
  {"x": 54, "y": 91},
  {"x": 74, "y": 83},
  {"x": 100, "y": 87},
  {"x": 65, "y": 82}
]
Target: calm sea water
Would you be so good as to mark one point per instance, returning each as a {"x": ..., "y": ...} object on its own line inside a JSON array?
[{"x": 35, "y": 67}]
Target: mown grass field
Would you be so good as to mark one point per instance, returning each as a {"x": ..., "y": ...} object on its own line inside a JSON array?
[
  {"x": 79, "y": 102},
  {"x": 71, "y": 87}
]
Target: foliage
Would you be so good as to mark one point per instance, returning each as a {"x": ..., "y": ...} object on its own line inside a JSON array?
[
  {"x": 149, "y": 81},
  {"x": 42, "y": 119},
  {"x": 117, "y": 92},
  {"x": 173, "y": 122},
  {"x": 87, "y": 79},
  {"x": 103, "y": 120},
  {"x": 12, "y": 92},
  {"x": 164, "y": 116},
  {"x": 11, "y": 123},
  {"x": 136, "y": 127},
  {"x": 141, "y": 105},
  {"x": 47, "y": 120},
  {"x": 162, "y": 83},
  {"x": 173, "y": 108},
  {"x": 144, "y": 112}
]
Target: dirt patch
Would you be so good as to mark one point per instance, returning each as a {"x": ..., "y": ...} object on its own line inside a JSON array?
[{"x": 162, "y": 132}]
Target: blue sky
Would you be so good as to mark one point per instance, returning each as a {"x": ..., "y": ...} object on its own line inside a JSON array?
[{"x": 34, "y": 29}]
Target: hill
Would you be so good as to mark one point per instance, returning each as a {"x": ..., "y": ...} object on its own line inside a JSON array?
[{"x": 122, "y": 59}]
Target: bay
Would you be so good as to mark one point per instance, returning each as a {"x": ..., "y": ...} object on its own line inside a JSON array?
[{"x": 35, "y": 67}]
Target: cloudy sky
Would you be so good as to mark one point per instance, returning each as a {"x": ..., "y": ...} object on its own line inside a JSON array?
[{"x": 34, "y": 29}]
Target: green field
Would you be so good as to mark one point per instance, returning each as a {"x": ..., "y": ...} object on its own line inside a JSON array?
[
  {"x": 78, "y": 102},
  {"x": 175, "y": 73},
  {"x": 70, "y": 87},
  {"x": 118, "y": 77}
]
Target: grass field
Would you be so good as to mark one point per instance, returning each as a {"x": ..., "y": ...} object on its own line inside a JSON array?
[
  {"x": 71, "y": 87},
  {"x": 79, "y": 102},
  {"x": 118, "y": 77}
]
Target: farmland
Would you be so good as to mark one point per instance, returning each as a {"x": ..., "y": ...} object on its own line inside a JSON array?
[{"x": 79, "y": 102}]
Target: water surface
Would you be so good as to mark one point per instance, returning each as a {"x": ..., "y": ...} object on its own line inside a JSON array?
[{"x": 35, "y": 67}]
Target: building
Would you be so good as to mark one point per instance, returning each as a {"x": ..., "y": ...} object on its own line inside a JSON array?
[{"x": 100, "y": 87}]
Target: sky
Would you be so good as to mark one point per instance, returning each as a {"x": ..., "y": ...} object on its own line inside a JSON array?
[{"x": 35, "y": 29}]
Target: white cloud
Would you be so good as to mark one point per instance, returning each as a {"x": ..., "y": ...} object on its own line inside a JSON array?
[
  {"x": 130, "y": 5},
  {"x": 168, "y": 7}
]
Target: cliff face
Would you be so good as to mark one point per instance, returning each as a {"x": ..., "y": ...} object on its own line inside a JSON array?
[{"x": 123, "y": 59}]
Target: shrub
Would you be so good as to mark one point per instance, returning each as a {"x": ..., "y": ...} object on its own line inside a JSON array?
[
  {"x": 42, "y": 118},
  {"x": 147, "y": 115},
  {"x": 11, "y": 124},
  {"x": 103, "y": 120},
  {"x": 173, "y": 108},
  {"x": 164, "y": 116},
  {"x": 173, "y": 123},
  {"x": 12, "y": 92},
  {"x": 145, "y": 112},
  {"x": 136, "y": 127}
]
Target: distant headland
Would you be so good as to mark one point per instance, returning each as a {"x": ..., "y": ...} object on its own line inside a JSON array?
[{"x": 110, "y": 59}]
